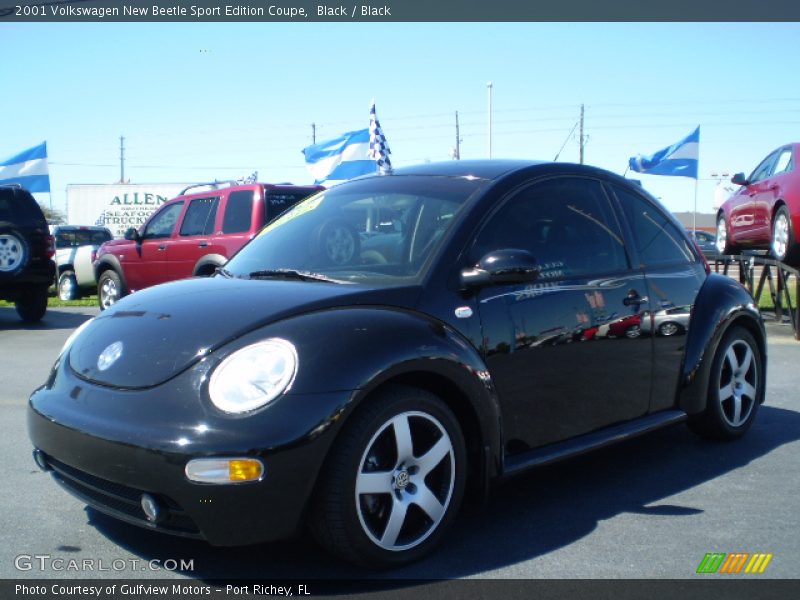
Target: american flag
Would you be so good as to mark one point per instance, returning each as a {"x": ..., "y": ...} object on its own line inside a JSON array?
[{"x": 378, "y": 147}]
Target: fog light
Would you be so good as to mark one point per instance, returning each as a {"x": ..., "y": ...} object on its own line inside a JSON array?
[
  {"x": 224, "y": 470},
  {"x": 151, "y": 508},
  {"x": 40, "y": 458}
]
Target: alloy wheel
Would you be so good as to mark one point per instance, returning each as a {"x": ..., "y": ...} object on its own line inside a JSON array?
[
  {"x": 722, "y": 236},
  {"x": 109, "y": 292},
  {"x": 738, "y": 383},
  {"x": 12, "y": 253},
  {"x": 780, "y": 236},
  {"x": 405, "y": 481}
]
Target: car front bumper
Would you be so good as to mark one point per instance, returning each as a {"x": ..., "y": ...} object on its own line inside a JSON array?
[{"x": 109, "y": 448}]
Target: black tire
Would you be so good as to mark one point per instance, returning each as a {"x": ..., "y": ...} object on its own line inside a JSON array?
[
  {"x": 32, "y": 305},
  {"x": 783, "y": 244},
  {"x": 109, "y": 289},
  {"x": 735, "y": 388},
  {"x": 337, "y": 243},
  {"x": 724, "y": 245},
  {"x": 389, "y": 527},
  {"x": 68, "y": 286}
]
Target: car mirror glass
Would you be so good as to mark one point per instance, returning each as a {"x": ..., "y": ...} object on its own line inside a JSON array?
[{"x": 739, "y": 179}]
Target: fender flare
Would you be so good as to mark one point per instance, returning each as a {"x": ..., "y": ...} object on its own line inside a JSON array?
[
  {"x": 109, "y": 261},
  {"x": 721, "y": 303},
  {"x": 217, "y": 260}
]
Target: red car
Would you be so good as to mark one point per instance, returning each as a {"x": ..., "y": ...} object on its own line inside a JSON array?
[
  {"x": 191, "y": 235},
  {"x": 765, "y": 213}
]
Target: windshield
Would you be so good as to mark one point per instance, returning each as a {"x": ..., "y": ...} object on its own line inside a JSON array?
[{"x": 381, "y": 229}]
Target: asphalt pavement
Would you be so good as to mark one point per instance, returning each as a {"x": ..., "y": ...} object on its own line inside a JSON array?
[{"x": 647, "y": 508}]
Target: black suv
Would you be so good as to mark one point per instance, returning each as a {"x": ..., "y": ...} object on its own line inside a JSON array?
[{"x": 26, "y": 253}]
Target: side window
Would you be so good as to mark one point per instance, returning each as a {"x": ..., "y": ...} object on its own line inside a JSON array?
[
  {"x": 565, "y": 223},
  {"x": 784, "y": 164},
  {"x": 238, "y": 212},
  {"x": 658, "y": 241},
  {"x": 200, "y": 217},
  {"x": 163, "y": 223},
  {"x": 763, "y": 170}
]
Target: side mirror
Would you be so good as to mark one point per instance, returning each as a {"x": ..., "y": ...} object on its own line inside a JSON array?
[
  {"x": 132, "y": 234},
  {"x": 739, "y": 179},
  {"x": 502, "y": 267}
]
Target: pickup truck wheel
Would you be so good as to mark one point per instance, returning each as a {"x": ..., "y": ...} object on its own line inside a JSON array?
[
  {"x": 67, "y": 286},
  {"x": 109, "y": 289}
]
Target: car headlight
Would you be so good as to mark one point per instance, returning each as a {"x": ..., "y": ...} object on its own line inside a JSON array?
[
  {"x": 73, "y": 336},
  {"x": 253, "y": 376}
]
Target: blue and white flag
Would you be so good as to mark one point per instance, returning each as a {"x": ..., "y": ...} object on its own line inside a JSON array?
[
  {"x": 28, "y": 168},
  {"x": 340, "y": 159},
  {"x": 378, "y": 146},
  {"x": 679, "y": 159}
]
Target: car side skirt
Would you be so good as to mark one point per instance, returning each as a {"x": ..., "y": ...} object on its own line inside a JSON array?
[{"x": 585, "y": 443}]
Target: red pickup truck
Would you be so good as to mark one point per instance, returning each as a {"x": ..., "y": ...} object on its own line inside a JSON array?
[{"x": 191, "y": 235}]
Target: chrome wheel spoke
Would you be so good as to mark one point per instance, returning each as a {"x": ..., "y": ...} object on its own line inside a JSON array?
[
  {"x": 402, "y": 437},
  {"x": 748, "y": 391},
  {"x": 433, "y": 457},
  {"x": 737, "y": 410},
  {"x": 725, "y": 392},
  {"x": 379, "y": 482},
  {"x": 394, "y": 523},
  {"x": 429, "y": 503},
  {"x": 746, "y": 363}
]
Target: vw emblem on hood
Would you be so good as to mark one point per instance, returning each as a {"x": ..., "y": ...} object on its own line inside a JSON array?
[{"x": 109, "y": 356}]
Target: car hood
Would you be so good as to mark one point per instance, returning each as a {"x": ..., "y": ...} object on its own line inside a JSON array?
[{"x": 152, "y": 335}]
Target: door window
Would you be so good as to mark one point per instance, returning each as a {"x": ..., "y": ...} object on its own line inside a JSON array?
[
  {"x": 163, "y": 223},
  {"x": 565, "y": 223},
  {"x": 238, "y": 212},
  {"x": 200, "y": 217},
  {"x": 784, "y": 164},
  {"x": 658, "y": 241}
]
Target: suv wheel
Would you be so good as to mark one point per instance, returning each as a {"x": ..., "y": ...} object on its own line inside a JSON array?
[
  {"x": 109, "y": 289},
  {"x": 13, "y": 252},
  {"x": 67, "y": 286},
  {"x": 32, "y": 305}
]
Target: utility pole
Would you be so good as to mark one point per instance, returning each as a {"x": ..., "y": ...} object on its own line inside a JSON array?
[
  {"x": 313, "y": 133},
  {"x": 121, "y": 159},
  {"x": 581, "y": 140},
  {"x": 457, "y": 154}
]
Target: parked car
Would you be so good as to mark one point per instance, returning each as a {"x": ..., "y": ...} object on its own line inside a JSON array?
[
  {"x": 765, "y": 213},
  {"x": 26, "y": 253},
  {"x": 76, "y": 251},
  {"x": 707, "y": 242},
  {"x": 367, "y": 392},
  {"x": 191, "y": 235}
]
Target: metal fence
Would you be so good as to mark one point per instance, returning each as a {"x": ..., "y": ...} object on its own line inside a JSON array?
[{"x": 754, "y": 271}]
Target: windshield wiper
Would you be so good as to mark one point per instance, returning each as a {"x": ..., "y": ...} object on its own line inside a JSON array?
[{"x": 292, "y": 274}]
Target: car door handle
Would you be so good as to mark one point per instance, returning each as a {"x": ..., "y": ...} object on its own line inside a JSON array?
[
  {"x": 203, "y": 244},
  {"x": 633, "y": 298},
  {"x": 162, "y": 246}
]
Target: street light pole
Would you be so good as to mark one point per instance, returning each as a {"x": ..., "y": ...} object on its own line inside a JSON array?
[{"x": 489, "y": 88}]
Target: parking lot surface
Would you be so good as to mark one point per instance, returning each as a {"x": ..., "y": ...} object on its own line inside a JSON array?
[{"x": 647, "y": 508}]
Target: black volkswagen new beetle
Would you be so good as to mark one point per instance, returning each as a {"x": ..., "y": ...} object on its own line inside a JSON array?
[{"x": 390, "y": 345}]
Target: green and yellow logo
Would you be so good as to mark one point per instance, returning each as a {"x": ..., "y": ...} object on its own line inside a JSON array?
[{"x": 734, "y": 563}]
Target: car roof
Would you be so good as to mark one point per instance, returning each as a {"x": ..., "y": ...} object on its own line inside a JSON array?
[{"x": 482, "y": 169}]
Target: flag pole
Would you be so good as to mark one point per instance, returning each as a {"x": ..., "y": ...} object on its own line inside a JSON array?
[{"x": 694, "y": 214}]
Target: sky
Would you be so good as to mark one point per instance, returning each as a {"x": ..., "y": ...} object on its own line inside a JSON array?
[{"x": 206, "y": 101}]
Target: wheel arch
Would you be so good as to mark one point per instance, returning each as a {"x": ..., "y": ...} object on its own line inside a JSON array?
[
  {"x": 110, "y": 263},
  {"x": 207, "y": 264},
  {"x": 721, "y": 304}
]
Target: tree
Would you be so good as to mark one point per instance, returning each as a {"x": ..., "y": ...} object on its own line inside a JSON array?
[{"x": 52, "y": 216}]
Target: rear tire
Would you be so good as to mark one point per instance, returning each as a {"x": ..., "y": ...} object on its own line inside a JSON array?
[
  {"x": 783, "y": 245},
  {"x": 735, "y": 388},
  {"x": 32, "y": 305},
  {"x": 67, "y": 286},
  {"x": 393, "y": 483}
]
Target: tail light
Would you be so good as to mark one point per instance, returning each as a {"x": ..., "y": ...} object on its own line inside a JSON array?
[{"x": 50, "y": 241}]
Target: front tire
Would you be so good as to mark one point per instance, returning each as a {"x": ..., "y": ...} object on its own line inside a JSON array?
[
  {"x": 109, "y": 289},
  {"x": 723, "y": 243},
  {"x": 393, "y": 484},
  {"x": 735, "y": 390}
]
